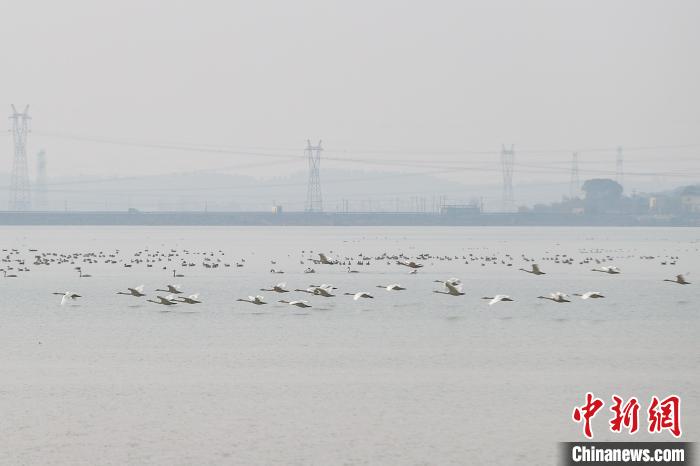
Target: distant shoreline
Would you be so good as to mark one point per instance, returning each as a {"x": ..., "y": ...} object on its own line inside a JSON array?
[{"x": 341, "y": 219}]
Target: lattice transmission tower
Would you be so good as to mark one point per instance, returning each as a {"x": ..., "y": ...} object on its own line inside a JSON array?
[
  {"x": 40, "y": 196},
  {"x": 575, "y": 183},
  {"x": 619, "y": 170},
  {"x": 314, "y": 200},
  {"x": 507, "y": 161},
  {"x": 20, "y": 195}
]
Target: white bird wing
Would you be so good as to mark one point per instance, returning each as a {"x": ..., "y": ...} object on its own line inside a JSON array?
[
  {"x": 63, "y": 299},
  {"x": 497, "y": 298},
  {"x": 139, "y": 288},
  {"x": 282, "y": 285},
  {"x": 194, "y": 296},
  {"x": 453, "y": 288}
]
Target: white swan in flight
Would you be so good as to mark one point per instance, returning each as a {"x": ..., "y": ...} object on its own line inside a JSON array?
[
  {"x": 392, "y": 287},
  {"x": 322, "y": 290},
  {"x": 297, "y": 303},
  {"x": 679, "y": 279},
  {"x": 590, "y": 295},
  {"x": 498, "y": 298},
  {"x": 411, "y": 264},
  {"x": 172, "y": 289},
  {"x": 68, "y": 295},
  {"x": 253, "y": 300},
  {"x": 323, "y": 259},
  {"x": 136, "y": 291},
  {"x": 191, "y": 299},
  {"x": 535, "y": 270},
  {"x": 452, "y": 289},
  {"x": 167, "y": 301},
  {"x": 278, "y": 288},
  {"x": 611, "y": 270},
  {"x": 557, "y": 297},
  {"x": 361, "y": 294}
]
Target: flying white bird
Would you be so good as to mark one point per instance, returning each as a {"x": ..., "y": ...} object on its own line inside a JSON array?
[
  {"x": 452, "y": 289},
  {"x": 68, "y": 295},
  {"x": 557, "y": 297},
  {"x": 679, "y": 279},
  {"x": 498, "y": 298},
  {"x": 535, "y": 270},
  {"x": 392, "y": 287},
  {"x": 172, "y": 289},
  {"x": 411, "y": 264},
  {"x": 298, "y": 303},
  {"x": 361, "y": 294},
  {"x": 590, "y": 295},
  {"x": 278, "y": 288},
  {"x": 191, "y": 299},
  {"x": 253, "y": 300},
  {"x": 611, "y": 270},
  {"x": 136, "y": 291},
  {"x": 167, "y": 301}
]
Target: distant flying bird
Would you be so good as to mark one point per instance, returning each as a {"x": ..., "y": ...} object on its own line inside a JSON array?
[
  {"x": 452, "y": 289},
  {"x": 323, "y": 290},
  {"x": 498, "y": 298},
  {"x": 68, "y": 295},
  {"x": 278, "y": 288},
  {"x": 535, "y": 270},
  {"x": 323, "y": 259},
  {"x": 253, "y": 300},
  {"x": 611, "y": 270},
  {"x": 392, "y": 287},
  {"x": 167, "y": 301},
  {"x": 297, "y": 303},
  {"x": 411, "y": 264},
  {"x": 136, "y": 291},
  {"x": 590, "y": 295},
  {"x": 361, "y": 294},
  {"x": 191, "y": 299},
  {"x": 174, "y": 289},
  {"x": 557, "y": 297},
  {"x": 679, "y": 279}
]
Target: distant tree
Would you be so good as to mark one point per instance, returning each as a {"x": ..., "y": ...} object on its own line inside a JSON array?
[{"x": 602, "y": 195}]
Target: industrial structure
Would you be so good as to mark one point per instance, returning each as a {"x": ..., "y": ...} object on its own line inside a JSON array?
[
  {"x": 40, "y": 195},
  {"x": 314, "y": 200},
  {"x": 619, "y": 171},
  {"x": 20, "y": 194},
  {"x": 507, "y": 161},
  {"x": 575, "y": 182}
]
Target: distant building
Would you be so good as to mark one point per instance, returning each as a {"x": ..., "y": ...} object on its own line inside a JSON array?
[{"x": 690, "y": 199}]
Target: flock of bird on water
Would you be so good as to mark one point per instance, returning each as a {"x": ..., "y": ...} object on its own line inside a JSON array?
[{"x": 452, "y": 286}]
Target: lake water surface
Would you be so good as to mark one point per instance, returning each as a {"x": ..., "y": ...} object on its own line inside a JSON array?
[{"x": 409, "y": 377}]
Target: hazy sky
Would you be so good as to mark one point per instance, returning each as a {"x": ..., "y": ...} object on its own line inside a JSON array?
[{"x": 419, "y": 82}]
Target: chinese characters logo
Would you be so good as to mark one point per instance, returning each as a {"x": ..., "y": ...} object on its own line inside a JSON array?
[{"x": 661, "y": 414}]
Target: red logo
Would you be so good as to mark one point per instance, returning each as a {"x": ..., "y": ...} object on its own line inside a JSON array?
[{"x": 662, "y": 414}]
